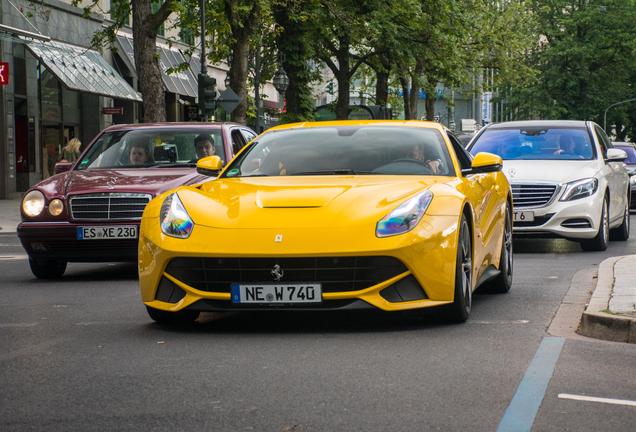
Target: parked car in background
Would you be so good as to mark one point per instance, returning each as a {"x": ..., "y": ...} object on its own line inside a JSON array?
[
  {"x": 630, "y": 164},
  {"x": 386, "y": 215},
  {"x": 465, "y": 137},
  {"x": 567, "y": 179},
  {"x": 91, "y": 209}
]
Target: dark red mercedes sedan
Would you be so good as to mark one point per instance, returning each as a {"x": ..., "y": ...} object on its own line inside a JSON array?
[{"x": 90, "y": 210}]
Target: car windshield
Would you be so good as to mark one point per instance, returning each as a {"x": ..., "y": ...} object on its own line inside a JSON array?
[
  {"x": 138, "y": 148},
  {"x": 345, "y": 150},
  {"x": 630, "y": 150},
  {"x": 536, "y": 142}
]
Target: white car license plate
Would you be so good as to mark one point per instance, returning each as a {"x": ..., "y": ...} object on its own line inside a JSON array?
[
  {"x": 520, "y": 216},
  {"x": 277, "y": 293},
  {"x": 107, "y": 232}
]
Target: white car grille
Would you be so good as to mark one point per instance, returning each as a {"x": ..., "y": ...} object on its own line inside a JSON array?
[{"x": 532, "y": 195}]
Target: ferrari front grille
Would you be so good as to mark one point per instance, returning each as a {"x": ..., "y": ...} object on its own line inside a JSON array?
[
  {"x": 109, "y": 206},
  {"x": 532, "y": 195},
  {"x": 336, "y": 274}
]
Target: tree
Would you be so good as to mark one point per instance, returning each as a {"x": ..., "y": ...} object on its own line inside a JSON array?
[
  {"x": 585, "y": 62},
  {"x": 145, "y": 27}
]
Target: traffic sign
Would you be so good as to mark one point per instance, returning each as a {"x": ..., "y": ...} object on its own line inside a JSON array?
[
  {"x": 192, "y": 112},
  {"x": 228, "y": 100}
]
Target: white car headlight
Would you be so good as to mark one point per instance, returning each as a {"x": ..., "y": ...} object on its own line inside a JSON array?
[
  {"x": 404, "y": 218},
  {"x": 174, "y": 219},
  {"x": 33, "y": 203},
  {"x": 580, "y": 189}
]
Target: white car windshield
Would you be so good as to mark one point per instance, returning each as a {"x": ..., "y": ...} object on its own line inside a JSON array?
[
  {"x": 345, "y": 150},
  {"x": 145, "y": 148},
  {"x": 536, "y": 142}
]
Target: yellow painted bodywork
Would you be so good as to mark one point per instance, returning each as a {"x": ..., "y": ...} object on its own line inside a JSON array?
[{"x": 331, "y": 216}]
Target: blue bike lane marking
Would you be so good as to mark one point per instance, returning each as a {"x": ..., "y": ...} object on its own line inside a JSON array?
[{"x": 525, "y": 404}]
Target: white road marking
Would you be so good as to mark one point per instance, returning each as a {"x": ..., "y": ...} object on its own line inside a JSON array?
[
  {"x": 13, "y": 257},
  {"x": 597, "y": 399},
  {"x": 499, "y": 322},
  {"x": 5, "y": 325}
]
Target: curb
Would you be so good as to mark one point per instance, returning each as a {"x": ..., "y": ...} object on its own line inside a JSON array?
[{"x": 601, "y": 325}]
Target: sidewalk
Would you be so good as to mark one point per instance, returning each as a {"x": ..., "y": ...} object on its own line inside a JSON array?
[
  {"x": 9, "y": 215},
  {"x": 611, "y": 313}
]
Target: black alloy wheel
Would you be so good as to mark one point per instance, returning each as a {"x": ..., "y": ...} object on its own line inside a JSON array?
[
  {"x": 460, "y": 309},
  {"x": 600, "y": 241},
  {"x": 503, "y": 282},
  {"x": 622, "y": 232}
]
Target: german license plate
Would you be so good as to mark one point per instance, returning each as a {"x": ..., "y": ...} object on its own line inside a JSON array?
[
  {"x": 520, "y": 216},
  {"x": 277, "y": 293},
  {"x": 107, "y": 232}
]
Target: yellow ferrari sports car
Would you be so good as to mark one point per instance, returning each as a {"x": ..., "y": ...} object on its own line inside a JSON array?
[{"x": 389, "y": 215}]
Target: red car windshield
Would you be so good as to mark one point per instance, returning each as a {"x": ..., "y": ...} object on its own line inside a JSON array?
[{"x": 138, "y": 148}]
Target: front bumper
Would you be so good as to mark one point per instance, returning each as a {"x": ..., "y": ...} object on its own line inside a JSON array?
[
  {"x": 164, "y": 289},
  {"x": 58, "y": 241},
  {"x": 575, "y": 220}
]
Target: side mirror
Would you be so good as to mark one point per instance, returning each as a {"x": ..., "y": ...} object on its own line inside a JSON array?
[
  {"x": 484, "y": 163},
  {"x": 209, "y": 166},
  {"x": 61, "y": 167},
  {"x": 613, "y": 155}
]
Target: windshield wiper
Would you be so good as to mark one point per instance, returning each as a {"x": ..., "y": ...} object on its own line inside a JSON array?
[
  {"x": 172, "y": 165},
  {"x": 343, "y": 171}
]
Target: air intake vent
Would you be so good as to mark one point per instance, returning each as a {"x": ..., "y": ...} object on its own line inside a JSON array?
[
  {"x": 336, "y": 274},
  {"x": 104, "y": 206},
  {"x": 536, "y": 195}
]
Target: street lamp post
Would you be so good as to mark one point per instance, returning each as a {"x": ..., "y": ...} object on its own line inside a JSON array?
[
  {"x": 281, "y": 81},
  {"x": 605, "y": 115}
]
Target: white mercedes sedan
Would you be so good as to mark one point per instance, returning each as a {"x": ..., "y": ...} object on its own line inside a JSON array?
[{"x": 567, "y": 179}]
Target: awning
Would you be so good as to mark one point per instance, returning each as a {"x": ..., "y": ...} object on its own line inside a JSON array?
[
  {"x": 82, "y": 70},
  {"x": 182, "y": 83}
]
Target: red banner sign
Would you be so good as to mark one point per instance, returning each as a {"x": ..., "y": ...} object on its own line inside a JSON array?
[
  {"x": 4, "y": 73},
  {"x": 112, "y": 110}
]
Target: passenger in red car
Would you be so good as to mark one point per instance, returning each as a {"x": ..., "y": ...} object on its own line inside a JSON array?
[
  {"x": 204, "y": 146},
  {"x": 139, "y": 153}
]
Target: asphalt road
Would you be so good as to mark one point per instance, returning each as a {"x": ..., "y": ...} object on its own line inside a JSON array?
[{"x": 81, "y": 354}]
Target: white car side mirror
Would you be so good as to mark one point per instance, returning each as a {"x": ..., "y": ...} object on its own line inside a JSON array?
[{"x": 615, "y": 155}]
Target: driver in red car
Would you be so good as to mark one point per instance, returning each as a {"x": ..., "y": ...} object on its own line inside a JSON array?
[{"x": 204, "y": 146}]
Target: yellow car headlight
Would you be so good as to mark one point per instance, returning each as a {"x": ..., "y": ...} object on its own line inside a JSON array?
[
  {"x": 404, "y": 218},
  {"x": 33, "y": 203},
  {"x": 174, "y": 219}
]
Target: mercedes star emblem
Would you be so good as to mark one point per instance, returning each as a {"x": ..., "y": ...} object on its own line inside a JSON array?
[
  {"x": 512, "y": 172},
  {"x": 111, "y": 182}
]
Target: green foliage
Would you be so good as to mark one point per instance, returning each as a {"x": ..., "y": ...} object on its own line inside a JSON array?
[{"x": 585, "y": 62}]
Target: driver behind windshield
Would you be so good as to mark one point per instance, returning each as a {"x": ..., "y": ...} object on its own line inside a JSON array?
[
  {"x": 204, "y": 146},
  {"x": 435, "y": 164}
]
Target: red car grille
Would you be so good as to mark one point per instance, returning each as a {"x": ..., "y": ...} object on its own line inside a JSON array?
[{"x": 109, "y": 206}]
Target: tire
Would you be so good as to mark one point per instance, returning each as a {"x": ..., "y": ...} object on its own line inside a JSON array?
[
  {"x": 600, "y": 241},
  {"x": 172, "y": 318},
  {"x": 502, "y": 283},
  {"x": 460, "y": 309},
  {"x": 622, "y": 232},
  {"x": 47, "y": 269}
]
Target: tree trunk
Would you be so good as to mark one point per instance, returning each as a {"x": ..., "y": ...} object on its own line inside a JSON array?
[
  {"x": 242, "y": 30},
  {"x": 145, "y": 26},
  {"x": 382, "y": 81},
  {"x": 344, "y": 56},
  {"x": 430, "y": 106},
  {"x": 292, "y": 43}
]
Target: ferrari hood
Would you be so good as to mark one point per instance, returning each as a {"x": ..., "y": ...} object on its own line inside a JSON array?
[
  {"x": 309, "y": 202},
  {"x": 553, "y": 171},
  {"x": 151, "y": 181}
]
